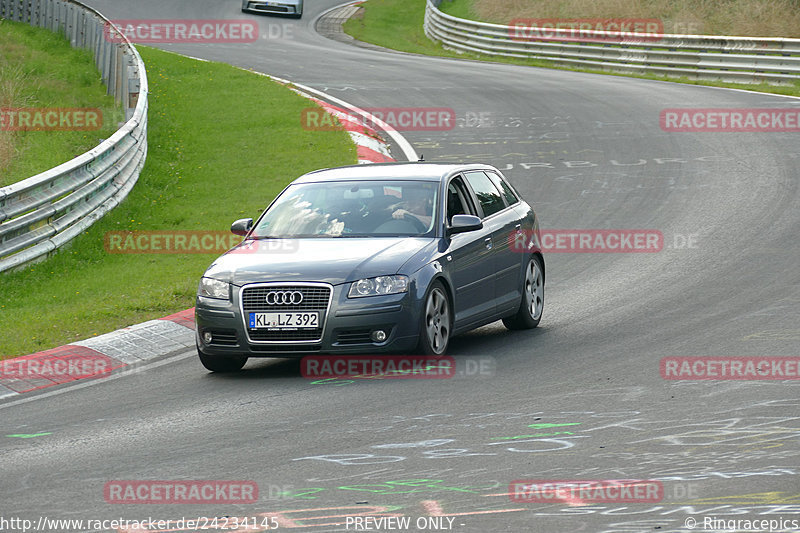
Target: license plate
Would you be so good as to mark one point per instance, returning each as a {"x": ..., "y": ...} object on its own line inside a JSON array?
[{"x": 284, "y": 320}]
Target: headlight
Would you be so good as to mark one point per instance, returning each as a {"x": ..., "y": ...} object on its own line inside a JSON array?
[
  {"x": 377, "y": 286},
  {"x": 213, "y": 288}
]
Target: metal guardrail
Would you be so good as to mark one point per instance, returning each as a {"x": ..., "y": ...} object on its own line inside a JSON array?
[
  {"x": 729, "y": 59},
  {"x": 44, "y": 212}
]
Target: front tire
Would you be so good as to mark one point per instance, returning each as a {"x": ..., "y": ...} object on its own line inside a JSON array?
[
  {"x": 222, "y": 363},
  {"x": 532, "y": 305},
  {"x": 436, "y": 322}
]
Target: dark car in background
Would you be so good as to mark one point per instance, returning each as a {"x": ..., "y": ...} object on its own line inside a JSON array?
[
  {"x": 274, "y": 7},
  {"x": 380, "y": 258}
]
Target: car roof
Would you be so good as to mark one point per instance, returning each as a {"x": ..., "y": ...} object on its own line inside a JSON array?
[{"x": 390, "y": 171}]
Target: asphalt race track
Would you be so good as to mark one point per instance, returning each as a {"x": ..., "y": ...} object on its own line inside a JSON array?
[{"x": 579, "y": 398}]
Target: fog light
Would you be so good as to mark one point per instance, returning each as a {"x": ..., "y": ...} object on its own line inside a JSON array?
[
  {"x": 207, "y": 337},
  {"x": 378, "y": 335}
]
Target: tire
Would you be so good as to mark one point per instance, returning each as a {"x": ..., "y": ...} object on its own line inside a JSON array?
[
  {"x": 222, "y": 363},
  {"x": 531, "y": 307},
  {"x": 436, "y": 322}
]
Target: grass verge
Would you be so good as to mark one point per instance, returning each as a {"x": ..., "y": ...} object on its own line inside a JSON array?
[
  {"x": 39, "y": 69},
  {"x": 397, "y": 24},
  {"x": 214, "y": 156}
]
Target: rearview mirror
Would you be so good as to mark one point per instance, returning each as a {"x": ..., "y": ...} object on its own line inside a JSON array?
[
  {"x": 464, "y": 223},
  {"x": 242, "y": 226}
]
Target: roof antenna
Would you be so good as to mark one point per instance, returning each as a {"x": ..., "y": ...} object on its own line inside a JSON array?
[{"x": 421, "y": 158}]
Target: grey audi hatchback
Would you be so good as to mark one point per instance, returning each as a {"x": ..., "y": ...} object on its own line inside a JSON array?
[{"x": 380, "y": 258}]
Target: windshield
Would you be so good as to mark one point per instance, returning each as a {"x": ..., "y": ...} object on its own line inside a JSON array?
[{"x": 352, "y": 209}]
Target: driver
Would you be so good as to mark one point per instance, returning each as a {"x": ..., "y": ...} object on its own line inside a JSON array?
[{"x": 416, "y": 203}]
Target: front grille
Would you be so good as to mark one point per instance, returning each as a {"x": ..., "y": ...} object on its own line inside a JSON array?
[
  {"x": 354, "y": 336},
  {"x": 277, "y": 9},
  {"x": 254, "y": 299},
  {"x": 315, "y": 298},
  {"x": 303, "y": 335},
  {"x": 286, "y": 348}
]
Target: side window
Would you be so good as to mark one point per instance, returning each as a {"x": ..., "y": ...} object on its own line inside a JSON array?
[
  {"x": 501, "y": 184},
  {"x": 458, "y": 202},
  {"x": 487, "y": 194}
]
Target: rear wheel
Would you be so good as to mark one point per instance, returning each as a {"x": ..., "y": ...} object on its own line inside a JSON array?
[
  {"x": 434, "y": 335},
  {"x": 532, "y": 305},
  {"x": 222, "y": 363}
]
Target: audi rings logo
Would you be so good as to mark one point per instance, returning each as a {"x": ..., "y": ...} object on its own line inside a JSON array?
[{"x": 284, "y": 297}]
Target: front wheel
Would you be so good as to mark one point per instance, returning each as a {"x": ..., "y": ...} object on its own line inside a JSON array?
[
  {"x": 222, "y": 363},
  {"x": 532, "y": 305},
  {"x": 436, "y": 325}
]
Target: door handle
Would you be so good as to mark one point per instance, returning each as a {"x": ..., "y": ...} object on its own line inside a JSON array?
[{"x": 488, "y": 242}]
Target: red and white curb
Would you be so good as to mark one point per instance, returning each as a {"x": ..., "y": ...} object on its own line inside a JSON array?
[
  {"x": 97, "y": 357},
  {"x": 371, "y": 147},
  {"x": 353, "y": 120}
]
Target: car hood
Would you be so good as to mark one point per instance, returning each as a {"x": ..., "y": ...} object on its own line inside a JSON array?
[{"x": 330, "y": 260}]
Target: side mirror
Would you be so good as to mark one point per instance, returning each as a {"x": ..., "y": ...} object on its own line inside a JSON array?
[
  {"x": 464, "y": 223},
  {"x": 242, "y": 226}
]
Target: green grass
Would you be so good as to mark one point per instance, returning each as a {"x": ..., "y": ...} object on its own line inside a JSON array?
[
  {"x": 459, "y": 9},
  {"x": 214, "y": 156},
  {"x": 397, "y": 24},
  {"x": 39, "y": 69}
]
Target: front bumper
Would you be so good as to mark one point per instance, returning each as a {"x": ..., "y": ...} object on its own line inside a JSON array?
[
  {"x": 346, "y": 326},
  {"x": 263, "y": 6}
]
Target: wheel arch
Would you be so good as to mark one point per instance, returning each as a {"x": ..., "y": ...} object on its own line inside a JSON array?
[{"x": 541, "y": 261}]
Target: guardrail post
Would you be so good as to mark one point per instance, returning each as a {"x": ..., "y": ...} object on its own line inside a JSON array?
[
  {"x": 112, "y": 70},
  {"x": 54, "y": 15},
  {"x": 35, "y": 14}
]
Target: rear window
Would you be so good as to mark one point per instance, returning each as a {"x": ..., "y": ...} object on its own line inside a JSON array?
[{"x": 501, "y": 184}]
